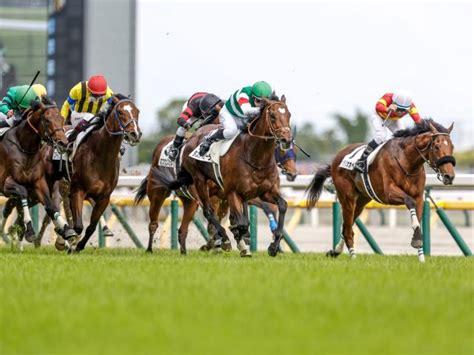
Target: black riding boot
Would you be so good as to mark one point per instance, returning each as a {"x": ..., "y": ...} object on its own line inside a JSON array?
[
  {"x": 206, "y": 144},
  {"x": 174, "y": 148},
  {"x": 81, "y": 126},
  {"x": 360, "y": 165}
]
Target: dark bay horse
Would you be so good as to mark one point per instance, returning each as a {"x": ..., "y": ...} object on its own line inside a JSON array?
[
  {"x": 22, "y": 173},
  {"x": 397, "y": 175},
  {"x": 157, "y": 193},
  {"x": 96, "y": 163},
  {"x": 248, "y": 170}
]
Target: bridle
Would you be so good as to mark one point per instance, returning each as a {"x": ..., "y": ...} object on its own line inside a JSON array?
[
  {"x": 122, "y": 126},
  {"x": 289, "y": 155},
  {"x": 273, "y": 131},
  {"x": 430, "y": 149}
]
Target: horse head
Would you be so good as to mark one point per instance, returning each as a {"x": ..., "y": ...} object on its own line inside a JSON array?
[
  {"x": 273, "y": 123},
  {"x": 45, "y": 120},
  {"x": 440, "y": 155},
  {"x": 122, "y": 119}
]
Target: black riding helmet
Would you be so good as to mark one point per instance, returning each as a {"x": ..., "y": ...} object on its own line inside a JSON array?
[{"x": 208, "y": 106}]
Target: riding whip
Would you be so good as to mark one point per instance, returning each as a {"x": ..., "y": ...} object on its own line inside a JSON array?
[{"x": 29, "y": 87}]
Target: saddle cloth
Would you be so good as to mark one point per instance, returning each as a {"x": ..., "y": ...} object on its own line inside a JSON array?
[
  {"x": 348, "y": 162},
  {"x": 3, "y": 131}
]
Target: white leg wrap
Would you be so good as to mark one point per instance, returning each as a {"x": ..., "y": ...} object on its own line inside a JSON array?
[
  {"x": 59, "y": 221},
  {"x": 352, "y": 253},
  {"x": 421, "y": 256},
  {"x": 26, "y": 211},
  {"x": 339, "y": 246},
  {"x": 241, "y": 245},
  {"x": 414, "y": 219}
]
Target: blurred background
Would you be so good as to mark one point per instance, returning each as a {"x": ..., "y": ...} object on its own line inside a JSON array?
[{"x": 332, "y": 60}]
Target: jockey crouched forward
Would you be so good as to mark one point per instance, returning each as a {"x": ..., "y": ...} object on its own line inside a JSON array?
[
  {"x": 87, "y": 104},
  {"x": 200, "y": 106},
  {"x": 16, "y": 101},
  {"x": 242, "y": 105}
]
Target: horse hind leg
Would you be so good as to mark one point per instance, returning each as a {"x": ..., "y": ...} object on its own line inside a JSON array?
[
  {"x": 44, "y": 225},
  {"x": 189, "y": 208},
  {"x": 156, "y": 197},
  {"x": 97, "y": 211}
]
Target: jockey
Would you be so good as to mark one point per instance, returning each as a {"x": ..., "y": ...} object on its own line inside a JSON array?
[
  {"x": 86, "y": 100},
  {"x": 16, "y": 101},
  {"x": 243, "y": 104},
  {"x": 388, "y": 111},
  {"x": 200, "y": 106}
]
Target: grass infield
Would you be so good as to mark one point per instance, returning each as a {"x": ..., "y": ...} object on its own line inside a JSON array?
[{"x": 120, "y": 301}]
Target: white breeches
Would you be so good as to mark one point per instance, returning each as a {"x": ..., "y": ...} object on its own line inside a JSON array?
[
  {"x": 380, "y": 128},
  {"x": 228, "y": 122},
  {"x": 77, "y": 117}
]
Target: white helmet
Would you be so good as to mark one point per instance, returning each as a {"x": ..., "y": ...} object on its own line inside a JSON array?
[{"x": 402, "y": 99}]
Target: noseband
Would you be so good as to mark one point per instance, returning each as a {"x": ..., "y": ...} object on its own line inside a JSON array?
[
  {"x": 441, "y": 161},
  {"x": 47, "y": 137}
]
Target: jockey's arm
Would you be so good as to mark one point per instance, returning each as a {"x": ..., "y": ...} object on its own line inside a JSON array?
[
  {"x": 413, "y": 112},
  {"x": 70, "y": 102},
  {"x": 247, "y": 109},
  {"x": 6, "y": 105},
  {"x": 382, "y": 106}
]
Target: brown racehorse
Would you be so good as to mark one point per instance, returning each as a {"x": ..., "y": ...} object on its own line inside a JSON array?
[
  {"x": 397, "y": 176},
  {"x": 96, "y": 163},
  {"x": 248, "y": 170},
  {"x": 22, "y": 174},
  {"x": 157, "y": 193}
]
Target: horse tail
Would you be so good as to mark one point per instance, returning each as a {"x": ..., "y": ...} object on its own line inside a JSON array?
[
  {"x": 141, "y": 191},
  {"x": 165, "y": 178},
  {"x": 316, "y": 186}
]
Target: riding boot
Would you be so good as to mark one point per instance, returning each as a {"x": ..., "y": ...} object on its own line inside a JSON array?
[
  {"x": 360, "y": 165},
  {"x": 206, "y": 143},
  {"x": 174, "y": 148},
  {"x": 81, "y": 126}
]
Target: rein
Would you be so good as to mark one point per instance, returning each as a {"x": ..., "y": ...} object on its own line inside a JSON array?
[
  {"x": 273, "y": 131},
  {"x": 115, "y": 113}
]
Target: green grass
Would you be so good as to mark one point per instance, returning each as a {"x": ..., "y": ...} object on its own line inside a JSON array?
[{"x": 123, "y": 301}]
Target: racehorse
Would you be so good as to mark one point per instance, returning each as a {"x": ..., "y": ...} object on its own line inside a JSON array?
[
  {"x": 397, "y": 176},
  {"x": 96, "y": 163},
  {"x": 157, "y": 194},
  {"x": 22, "y": 174},
  {"x": 248, "y": 170}
]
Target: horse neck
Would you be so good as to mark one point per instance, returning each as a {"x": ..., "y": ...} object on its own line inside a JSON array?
[
  {"x": 26, "y": 136},
  {"x": 413, "y": 159},
  {"x": 107, "y": 143},
  {"x": 264, "y": 147}
]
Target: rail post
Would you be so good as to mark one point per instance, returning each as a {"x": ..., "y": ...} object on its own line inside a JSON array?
[
  {"x": 34, "y": 211},
  {"x": 336, "y": 223},
  {"x": 293, "y": 247},
  {"x": 126, "y": 226},
  {"x": 197, "y": 222},
  {"x": 425, "y": 225},
  {"x": 100, "y": 232},
  {"x": 174, "y": 224},
  {"x": 365, "y": 232},
  {"x": 253, "y": 228}
]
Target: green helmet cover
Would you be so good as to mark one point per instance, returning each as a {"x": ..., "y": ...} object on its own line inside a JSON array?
[{"x": 262, "y": 89}]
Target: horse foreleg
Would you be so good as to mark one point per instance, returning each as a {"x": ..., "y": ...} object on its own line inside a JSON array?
[
  {"x": 97, "y": 211},
  {"x": 156, "y": 196},
  {"x": 7, "y": 210},
  {"x": 44, "y": 197},
  {"x": 11, "y": 187},
  {"x": 189, "y": 208},
  {"x": 239, "y": 223},
  {"x": 44, "y": 225},
  {"x": 274, "y": 197}
]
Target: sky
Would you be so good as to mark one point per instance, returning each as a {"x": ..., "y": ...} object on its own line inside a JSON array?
[{"x": 326, "y": 57}]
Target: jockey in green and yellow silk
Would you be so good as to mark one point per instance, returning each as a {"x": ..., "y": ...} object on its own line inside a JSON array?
[{"x": 16, "y": 101}]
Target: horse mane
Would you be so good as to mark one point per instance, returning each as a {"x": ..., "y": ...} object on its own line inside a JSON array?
[{"x": 419, "y": 129}]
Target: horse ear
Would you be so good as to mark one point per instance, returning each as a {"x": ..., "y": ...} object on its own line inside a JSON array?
[
  {"x": 433, "y": 128},
  {"x": 283, "y": 99},
  {"x": 451, "y": 127}
]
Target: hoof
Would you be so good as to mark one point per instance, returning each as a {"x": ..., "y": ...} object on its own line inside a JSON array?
[
  {"x": 332, "y": 253},
  {"x": 416, "y": 243},
  {"x": 204, "y": 248},
  {"x": 149, "y": 251},
  {"x": 107, "y": 232},
  {"x": 183, "y": 251},
  {"x": 217, "y": 250},
  {"x": 69, "y": 233},
  {"x": 227, "y": 246},
  {"x": 245, "y": 254},
  {"x": 272, "y": 250},
  {"x": 60, "y": 244},
  {"x": 30, "y": 235}
]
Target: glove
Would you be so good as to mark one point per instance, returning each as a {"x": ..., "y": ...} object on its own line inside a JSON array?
[
  {"x": 187, "y": 125},
  {"x": 182, "y": 122}
]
